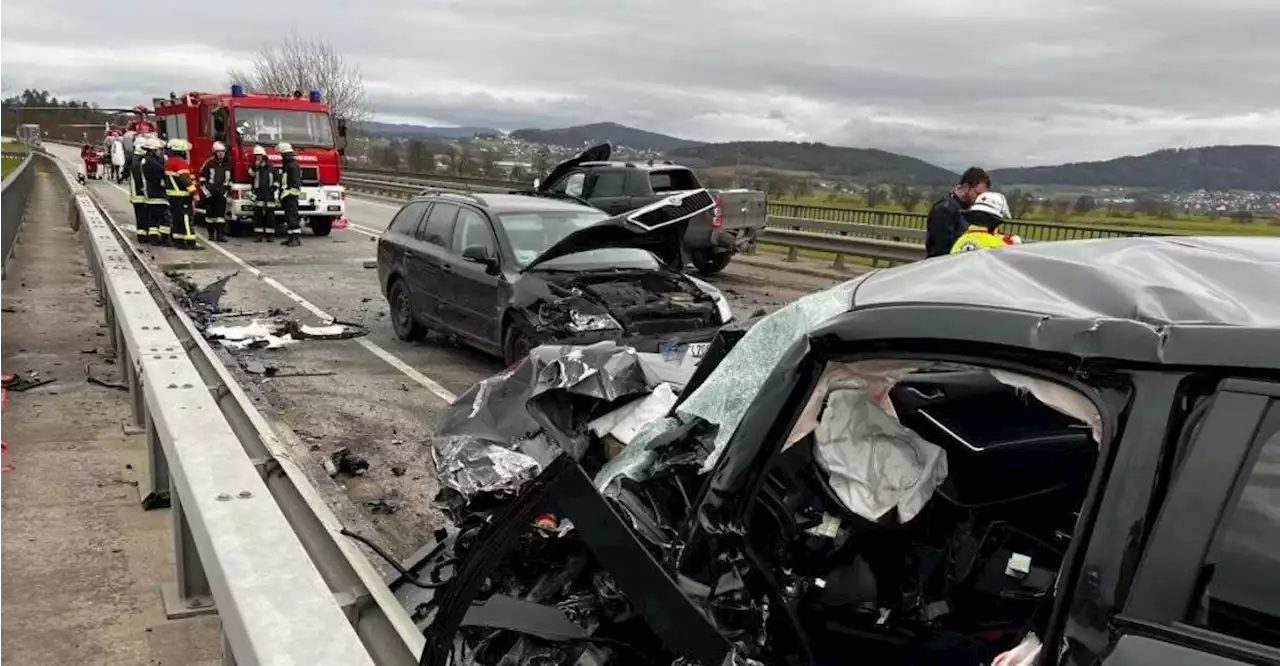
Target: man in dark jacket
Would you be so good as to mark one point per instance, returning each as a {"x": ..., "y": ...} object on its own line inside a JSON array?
[
  {"x": 215, "y": 178},
  {"x": 290, "y": 191},
  {"x": 946, "y": 223},
  {"x": 263, "y": 195},
  {"x": 155, "y": 201}
]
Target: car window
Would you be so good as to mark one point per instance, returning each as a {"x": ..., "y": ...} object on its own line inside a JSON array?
[
  {"x": 406, "y": 221},
  {"x": 532, "y": 233},
  {"x": 672, "y": 180},
  {"x": 1242, "y": 596},
  {"x": 439, "y": 227},
  {"x": 610, "y": 184},
  {"x": 571, "y": 184},
  {"x": 472, "y": 229}
]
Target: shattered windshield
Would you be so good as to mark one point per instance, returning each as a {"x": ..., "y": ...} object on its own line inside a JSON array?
[
  {"x": 269, "y": 127},
  {"x": 531, "y": 233}
]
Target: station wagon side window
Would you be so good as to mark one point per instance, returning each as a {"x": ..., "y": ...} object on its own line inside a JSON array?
[
  {"x": 439, "y": 227},
  {"x": 406, "y": 221},
  {"x": 472, "y": 229},
  {"x": 1241, "y": 595}
]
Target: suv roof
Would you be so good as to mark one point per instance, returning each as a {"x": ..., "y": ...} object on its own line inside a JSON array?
[
  {"x": 646, "y": 165},
  {"x": 504, "y": 202}
]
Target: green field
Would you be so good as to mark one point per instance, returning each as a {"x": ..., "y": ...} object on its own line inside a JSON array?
[
  {"x": 11, "y": 156},
  {"x": 1179, "y": 223}
]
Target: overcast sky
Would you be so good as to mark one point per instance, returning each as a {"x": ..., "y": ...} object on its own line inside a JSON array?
[{"x": 994, "y": 82}]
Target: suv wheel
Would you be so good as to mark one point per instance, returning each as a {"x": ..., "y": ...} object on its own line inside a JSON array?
[
  {"x": 406, "y": 326},
  {"x": 711, "y": 263}
]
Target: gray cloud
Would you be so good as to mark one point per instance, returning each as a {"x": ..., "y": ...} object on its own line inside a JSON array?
[{"x": 1001, "y": 83}]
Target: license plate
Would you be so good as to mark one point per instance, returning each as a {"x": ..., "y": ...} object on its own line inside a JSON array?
[{"x": 699, "y": 349}]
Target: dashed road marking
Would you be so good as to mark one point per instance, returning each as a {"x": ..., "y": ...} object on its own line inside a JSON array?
[{"x": 389, "y": 358}]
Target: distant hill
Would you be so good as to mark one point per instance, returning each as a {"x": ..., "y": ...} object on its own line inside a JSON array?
[
  {"x": 1211, "y": 168},
  {"x": 422, "y": 131},
  {"x": 618, "y": 135},
  {"x": 859, "y": 164}
]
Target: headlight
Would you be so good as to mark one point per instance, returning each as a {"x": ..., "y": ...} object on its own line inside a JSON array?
[
  {"x": 583, "y": 322},
  {"x": 333, "y": 196},
  {"x": 722, "y": 304}
]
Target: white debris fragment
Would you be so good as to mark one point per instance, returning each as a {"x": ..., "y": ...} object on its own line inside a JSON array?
[
  {"x": 254, "y": 330},
  {"x": 624, "y": 422},
  {"x": 331, "y": 330}
]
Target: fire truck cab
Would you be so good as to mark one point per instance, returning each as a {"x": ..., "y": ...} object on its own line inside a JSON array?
[{"x": 242, "y": 120}]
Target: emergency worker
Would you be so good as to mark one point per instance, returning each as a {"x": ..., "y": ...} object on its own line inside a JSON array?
[
  {"x": 262, "y": 192},
  {"x": 155, "y": 201},
  {"x": 945, "y": 221},
  {"x": 138, "y": 191},
  {"x": 179, "y": 188},
  {"x": 987, "y": 213},
  {"x": 215, "y": 178},
  {"x": 290, "y": 191}
]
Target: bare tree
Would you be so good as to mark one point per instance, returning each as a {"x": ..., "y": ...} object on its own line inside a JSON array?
[{"x": 305, "y": 64}]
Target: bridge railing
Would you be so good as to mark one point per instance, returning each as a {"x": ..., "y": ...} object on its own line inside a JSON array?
[{"x": 13, "y": 200}]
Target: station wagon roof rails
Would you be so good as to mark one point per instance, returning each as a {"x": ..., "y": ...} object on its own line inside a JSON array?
[{"x": 442, "y": 191}]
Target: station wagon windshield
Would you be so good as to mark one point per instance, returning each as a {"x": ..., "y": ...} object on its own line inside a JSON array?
[
  {"x": 531, "y": 233},
  {"x": 268, "y": 127}
]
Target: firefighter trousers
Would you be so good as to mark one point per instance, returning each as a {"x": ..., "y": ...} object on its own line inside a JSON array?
[
  {"x": 264, "y": 218},
  {"x": 157, "y": 214},
  {"x": 292, "y": 218},
  {"x": 141, "y": 221},
  {"x": 215, "y": 213},
  {"x": 181, "y": 211}
]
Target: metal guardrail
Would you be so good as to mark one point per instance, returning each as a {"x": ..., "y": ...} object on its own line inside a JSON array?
[
  {"x": 236, "y": 552},
  {"x": 13, "y": 199}
]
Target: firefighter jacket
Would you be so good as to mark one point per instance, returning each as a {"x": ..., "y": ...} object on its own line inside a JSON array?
[
  {"x": 137, "y": 189},
  {"x": 290, "y": 179},
  {"x": 980, "y": 238},
  {"x": 215, "y": 177},
  {"x": 266, "y": 181},
  {"x": 153, "y": 179},
  {"x": 178, "y": 181}
]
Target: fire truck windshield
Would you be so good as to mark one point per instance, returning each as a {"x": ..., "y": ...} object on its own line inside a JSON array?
[{"x": 267, "y": 127}]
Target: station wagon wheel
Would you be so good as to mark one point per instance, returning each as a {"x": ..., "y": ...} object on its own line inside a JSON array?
[
  {"x": 516, "y": 345},
  {"x": 403, "y": 322}
]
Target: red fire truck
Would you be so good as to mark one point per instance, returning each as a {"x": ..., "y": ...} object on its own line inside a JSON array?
[{"x": 242, "y": 120}]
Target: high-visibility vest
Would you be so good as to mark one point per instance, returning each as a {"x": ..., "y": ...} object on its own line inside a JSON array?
[{"x": 978, "y": 238}]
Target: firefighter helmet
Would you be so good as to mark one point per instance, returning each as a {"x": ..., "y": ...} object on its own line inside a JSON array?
[
  {"x": 285, "y": 148},
  {"x": 218, "y": 145},
  {"x": 259, "y": 150},
  {"x": 992, "y": 203},
  {"x": 179, "y": 145}
]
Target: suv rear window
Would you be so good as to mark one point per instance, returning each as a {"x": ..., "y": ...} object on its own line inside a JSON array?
[{"x": 673, "y": 180}]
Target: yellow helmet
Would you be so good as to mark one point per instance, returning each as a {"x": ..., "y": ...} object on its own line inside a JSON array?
[{"x": 179, "y": 145}]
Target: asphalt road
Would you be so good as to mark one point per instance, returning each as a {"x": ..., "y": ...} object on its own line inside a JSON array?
[{"x": 376, "y": 395}]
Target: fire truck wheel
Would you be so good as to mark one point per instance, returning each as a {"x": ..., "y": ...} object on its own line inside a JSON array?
[{"x": 321, "y": 226}]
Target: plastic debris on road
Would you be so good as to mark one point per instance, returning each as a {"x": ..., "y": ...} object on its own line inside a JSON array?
[
  {"x": 505, "y": 429},
  {"x": 273, "y": 334}
]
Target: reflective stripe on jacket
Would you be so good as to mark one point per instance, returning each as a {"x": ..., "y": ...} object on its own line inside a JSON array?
[
  {"x": 290, "y": 179},
  {"x": 177, "y": 173},
  {"x": 978, "y": 238}
]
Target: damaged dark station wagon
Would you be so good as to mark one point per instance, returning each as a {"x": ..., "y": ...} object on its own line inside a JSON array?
[
  {"x": 508, "y": 272},
  {"x": 1072, "y": 445}
]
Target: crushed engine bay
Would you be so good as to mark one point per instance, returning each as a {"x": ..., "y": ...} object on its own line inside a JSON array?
[
  {"x": 897, "y": 521},
  {"x": 642, "y": 302}
]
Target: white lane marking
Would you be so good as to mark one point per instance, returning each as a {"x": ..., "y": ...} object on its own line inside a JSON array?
[{"x": 391, "y": 359}]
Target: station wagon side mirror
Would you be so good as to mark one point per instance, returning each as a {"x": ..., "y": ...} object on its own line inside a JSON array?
[{"x": 480, "y": 255}]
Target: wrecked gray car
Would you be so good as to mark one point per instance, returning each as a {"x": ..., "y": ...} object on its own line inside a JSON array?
[
  {"x": 507, "y": 272},
  {"x": 910, "y": 468}
]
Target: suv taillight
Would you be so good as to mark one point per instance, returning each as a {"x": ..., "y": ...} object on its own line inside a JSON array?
[{"x": 717, "y": 216}]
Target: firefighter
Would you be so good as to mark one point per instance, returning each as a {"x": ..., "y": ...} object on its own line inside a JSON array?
[
  {"x": 138, "y": 191},
  {"x": 262, "y": 192},
  {"x": 215, "y": 178},
  {"x": 179, "y": 188},
  {"x": 290, "y": 190},
  {"x": 987, "y": 213},
  {"x": 155, "y": 202}
]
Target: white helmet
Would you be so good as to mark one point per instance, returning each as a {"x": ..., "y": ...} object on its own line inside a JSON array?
[
  {"x": 993, "y": 203},
  {"x": 285, "y": 148},
  {"x": 259, "y": 150},
  {"x": 218, "y": 145}
]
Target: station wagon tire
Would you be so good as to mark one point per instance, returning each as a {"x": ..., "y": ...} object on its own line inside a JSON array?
[
  {"x": 516, "y": 344},
  {"x": 321, "y": 226},
  {"x": 403, "y": 322},
  {"x": 710, "y": 263}
]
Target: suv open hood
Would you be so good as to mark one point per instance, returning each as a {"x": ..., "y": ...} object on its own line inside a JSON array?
[
  {"x": 598, "y": 153},
  {"x": 658, "y": 228}
]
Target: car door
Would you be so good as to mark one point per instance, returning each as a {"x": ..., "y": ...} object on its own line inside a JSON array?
[
  {"x": 474, "y": 286},
  {"x": 607, "y": 190},
  {"x": 396, "y": 244},
  {"x": 1207, "y": 590},
  {"x": 431, "y": 261}
]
